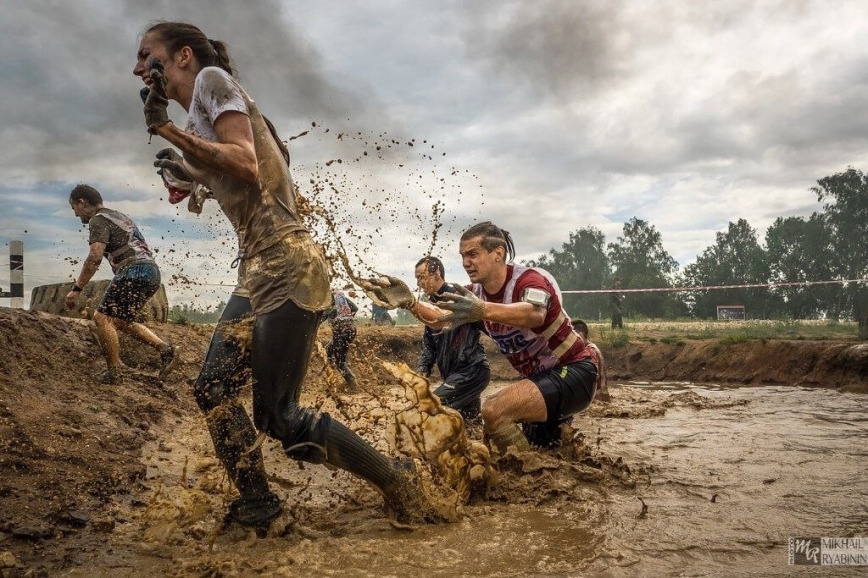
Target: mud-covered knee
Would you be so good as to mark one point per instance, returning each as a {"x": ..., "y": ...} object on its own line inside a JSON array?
[
  {"x": 215, "y": 387},
  {"x": 208, "y": 394},
  {"x": 288, "y": 425},
  {"x": 313, "y": 449},
  {"x": 491, "y": 415}
]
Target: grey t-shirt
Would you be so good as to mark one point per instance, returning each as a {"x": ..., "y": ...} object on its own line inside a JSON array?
[{"x": 124, "y": 242}]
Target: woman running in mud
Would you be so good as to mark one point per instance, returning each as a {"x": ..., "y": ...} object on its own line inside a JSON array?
[
  {"x": 522, "y": 311},
  {"x": 230, "y": 148}
]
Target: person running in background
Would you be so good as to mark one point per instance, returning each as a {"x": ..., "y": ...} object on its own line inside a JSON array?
[
  {"x": 615, "y": 300},
  {"x": 116, "y": 237},
  {"x": 380, "y": 316},
  {"x": 458, "y": 352},
  {"x": 341, "y": 317},
  {"x": 232, "y": 150},
  {"x": 602, "y": 390},
  {"x": 522, "y": 311}
]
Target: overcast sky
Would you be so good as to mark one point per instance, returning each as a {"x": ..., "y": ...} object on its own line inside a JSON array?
[{"x": 540, "y": 116}]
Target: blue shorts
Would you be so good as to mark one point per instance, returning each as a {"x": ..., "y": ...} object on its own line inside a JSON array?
[{"x": 129, "y": 291}]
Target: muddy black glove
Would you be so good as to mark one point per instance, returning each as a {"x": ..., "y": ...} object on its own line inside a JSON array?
[
  {"x": 388, "y": 292},
  {"x": 155, "y": 98},
  {"x": 465, "y": 306},
  {"x": 172, "y": 169}
]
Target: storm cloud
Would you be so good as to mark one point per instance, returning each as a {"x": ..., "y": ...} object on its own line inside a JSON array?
[{"x": 686, "y": 114}]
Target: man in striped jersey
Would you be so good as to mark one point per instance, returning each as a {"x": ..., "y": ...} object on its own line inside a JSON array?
[{"x": 522, "y": 310}]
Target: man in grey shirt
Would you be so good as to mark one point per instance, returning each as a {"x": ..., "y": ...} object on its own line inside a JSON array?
[{"x": 116, "y": 237}]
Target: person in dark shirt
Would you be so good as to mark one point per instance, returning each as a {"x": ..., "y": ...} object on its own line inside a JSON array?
[
  {"x": 116, "y": 237},
  {"x": 458, "y": 352},
  {"x": 615, "y": 300},
  {"x": 340, "y": 316},
  {"x": 380, "y": 316}
]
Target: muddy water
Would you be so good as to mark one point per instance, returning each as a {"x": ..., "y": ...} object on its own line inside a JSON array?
[
  {"x": 733, "y": 484},
  {"x": 726, "y": 475}
]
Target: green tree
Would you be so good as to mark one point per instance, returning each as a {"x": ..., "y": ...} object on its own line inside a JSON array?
[
  {"x": 801, "y": 250},
  {"x": 845, "y": 202},
  {"x": 639, "y": 259},
  {"x": 581, "y": 263},
  {"x": 736, "y": 258}
]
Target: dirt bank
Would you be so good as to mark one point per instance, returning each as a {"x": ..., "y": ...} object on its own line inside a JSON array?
[
  {"x": 85, "y": 465},
  {"x": 770, "y": 362}
]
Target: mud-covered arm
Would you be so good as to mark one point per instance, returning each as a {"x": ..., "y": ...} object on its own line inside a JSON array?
[
  {"x": 516, "y": 314},
  {"x": 88, "y": 270},
  {"x": 428, "y": 355},
  {"x": 91, "y": 263},
  {"x": 234, "y": 152},
  {"x": 429, "y": 314},
  {"x": 466, "y": 307}
]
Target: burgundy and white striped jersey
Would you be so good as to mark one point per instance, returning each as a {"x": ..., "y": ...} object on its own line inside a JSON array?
[{"x": 531, "y": 351}]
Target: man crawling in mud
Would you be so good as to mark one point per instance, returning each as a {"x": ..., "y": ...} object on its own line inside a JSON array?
[
  {"x": 115, "y": 236},
  {"x": 522, "y": 311},
  {"x": 458, "y": 352}
]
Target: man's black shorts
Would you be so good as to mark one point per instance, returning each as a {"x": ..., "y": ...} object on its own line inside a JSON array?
[
  {"x": 129, "y": 291},
  {"x": 567, "y": 389}
]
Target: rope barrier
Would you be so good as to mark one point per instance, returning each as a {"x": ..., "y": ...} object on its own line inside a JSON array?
[{"x": 717, "y": 287}]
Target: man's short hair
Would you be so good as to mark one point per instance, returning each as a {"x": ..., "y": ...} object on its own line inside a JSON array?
[
  {"x": 86, "y": 192},
  {"x": 432, "y": 264},
  {"x": 580, "y": 326}
]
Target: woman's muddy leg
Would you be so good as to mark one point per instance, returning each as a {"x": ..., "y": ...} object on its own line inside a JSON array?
[
  {"x": 283, "y": 341},
  {"x": 226, "y": 369}
]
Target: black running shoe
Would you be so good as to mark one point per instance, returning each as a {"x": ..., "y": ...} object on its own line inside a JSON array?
[
  {"x": 111, "y": 376},
  {"x": 257, "y": 511},
  {"x": 168, "y": 360}
]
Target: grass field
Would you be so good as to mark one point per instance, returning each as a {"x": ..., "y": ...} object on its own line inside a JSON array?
[{"x": 724, "y": 331}]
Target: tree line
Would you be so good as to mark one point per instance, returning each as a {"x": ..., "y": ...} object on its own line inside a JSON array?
[{"x": 830, "y": 244}]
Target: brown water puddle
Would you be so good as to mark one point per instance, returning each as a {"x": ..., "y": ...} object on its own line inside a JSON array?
[{"x": 727, "y": 476}]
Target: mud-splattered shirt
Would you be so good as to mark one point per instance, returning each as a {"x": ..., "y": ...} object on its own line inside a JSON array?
[
  {"x": 124, "y": 243},
  {"x": 343, "y": 310},
  {"x": 279, "y": 260},
  {"x": 531, "y": 351}
]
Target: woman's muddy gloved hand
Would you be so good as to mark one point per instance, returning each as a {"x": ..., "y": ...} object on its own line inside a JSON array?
[
  {"x": 176, "y": 178},
  {"x": 465, "y": 307},
  {"x": 155, "y": 98},
  {"x": 388, "y": 292}
]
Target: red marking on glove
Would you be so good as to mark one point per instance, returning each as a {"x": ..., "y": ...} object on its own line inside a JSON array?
[{"x": 177, "y": 195}]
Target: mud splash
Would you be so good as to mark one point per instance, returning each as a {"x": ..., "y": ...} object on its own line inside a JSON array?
[{"x": 428, "y": 431}]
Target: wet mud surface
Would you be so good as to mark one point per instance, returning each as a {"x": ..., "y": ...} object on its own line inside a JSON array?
[{"x": 666, "y": 479}]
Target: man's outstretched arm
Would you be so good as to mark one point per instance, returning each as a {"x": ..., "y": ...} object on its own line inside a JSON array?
[{"x": 88, "y": 270}]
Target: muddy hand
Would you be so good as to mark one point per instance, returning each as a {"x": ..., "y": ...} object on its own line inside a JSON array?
[
  {"x": 172, "y": 169},
  {"x": 71, "y": 299},
  {"x": 388, "y": 292},
  {"x": 156, "y": 100},
  {"x": 465, "y": 307}
]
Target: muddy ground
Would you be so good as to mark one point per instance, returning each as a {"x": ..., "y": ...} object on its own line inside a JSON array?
[{"x": 108, "y": 480}]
